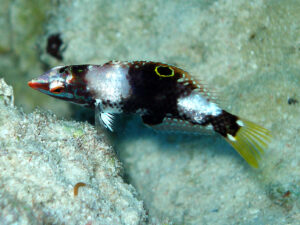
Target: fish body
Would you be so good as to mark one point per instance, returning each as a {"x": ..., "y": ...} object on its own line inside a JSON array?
[{"x": 166, "y": 97}]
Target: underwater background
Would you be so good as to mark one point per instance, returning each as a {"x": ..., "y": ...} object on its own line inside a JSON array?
[{"x": 248, "y": 52}]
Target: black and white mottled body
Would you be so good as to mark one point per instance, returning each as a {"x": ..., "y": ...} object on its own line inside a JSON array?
[
  {"x": 165, "y": 96},
  {"x": 158, "y": 92}
]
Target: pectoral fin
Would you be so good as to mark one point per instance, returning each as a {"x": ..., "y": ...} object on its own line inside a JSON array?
[{"x": 106, "y": 120}]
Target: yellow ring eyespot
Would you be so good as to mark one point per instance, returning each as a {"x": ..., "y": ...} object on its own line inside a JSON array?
[{"x": 164, "y": 71}]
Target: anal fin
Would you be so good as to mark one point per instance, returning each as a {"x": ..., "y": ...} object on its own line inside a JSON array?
[{"x": 181, "y": 126}]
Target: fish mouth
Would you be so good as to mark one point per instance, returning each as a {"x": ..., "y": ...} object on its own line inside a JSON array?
[{"x": 38, "y": 85}]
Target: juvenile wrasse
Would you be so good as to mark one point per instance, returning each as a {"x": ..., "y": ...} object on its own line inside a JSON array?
[{"x": 166, "y": 97}]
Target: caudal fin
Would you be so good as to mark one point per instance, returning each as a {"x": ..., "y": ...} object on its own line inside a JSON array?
[{"x": 250, "y": 141}]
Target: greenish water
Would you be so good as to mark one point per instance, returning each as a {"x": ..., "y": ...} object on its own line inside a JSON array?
[{"x": 248, "y": 51}]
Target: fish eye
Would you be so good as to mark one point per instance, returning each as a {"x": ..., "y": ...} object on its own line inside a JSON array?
[{"x": 56, "y": 87}]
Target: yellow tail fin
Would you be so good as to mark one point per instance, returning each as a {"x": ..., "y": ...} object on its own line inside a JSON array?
[{"x": 250, "y": 141}]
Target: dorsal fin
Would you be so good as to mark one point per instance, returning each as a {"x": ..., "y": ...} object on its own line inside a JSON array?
[{"x": 198, "y": 86}]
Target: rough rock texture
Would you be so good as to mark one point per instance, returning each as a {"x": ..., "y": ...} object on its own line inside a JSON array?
[
  {"x": 42, "y": 159},
  {"x": 249, "y": 51}
]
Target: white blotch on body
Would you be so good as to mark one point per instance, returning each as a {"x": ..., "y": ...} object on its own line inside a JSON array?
[
  {"x": 197, "y": 107},
  {"x": 109, "y": 83}
]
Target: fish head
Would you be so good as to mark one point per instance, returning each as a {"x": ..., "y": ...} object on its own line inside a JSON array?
[{"x": 66, "y": 83}]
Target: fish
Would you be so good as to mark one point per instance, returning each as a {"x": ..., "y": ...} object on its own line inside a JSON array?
[{"x": 166, "y": 98}]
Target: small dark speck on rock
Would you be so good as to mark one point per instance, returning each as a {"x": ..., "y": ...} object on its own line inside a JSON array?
[
  {"x": 215, "y": 210},
  {"x": 252, "y": 36},
  {"x": 54, "y": 43},
  {"x": 292, "y": 101},
  {"x": 287, "y": 194}
]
